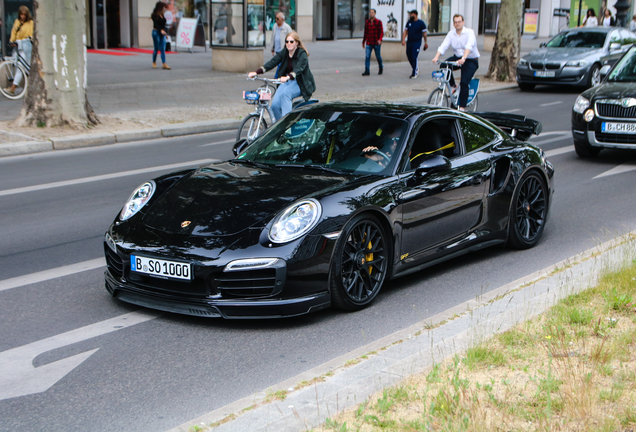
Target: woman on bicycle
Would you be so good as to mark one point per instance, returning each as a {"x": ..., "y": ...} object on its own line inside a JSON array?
[
  {"x": 297, "y": 80},
  {"x": 22, "y": 31},
  {"x": 464, "y": 46}
]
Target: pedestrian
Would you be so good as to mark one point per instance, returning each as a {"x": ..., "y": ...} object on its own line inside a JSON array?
[
  {"x": 412, "y": 37},
  {"x": 159, "y": 34},
  {"x": 464, "y": 44},
  {"x": 608, "y": 19},
  {"x": 21, "y": 35},
  {"x": 281, "y": 30},
  {"x": 373, "y": 33},
  {"x": 297, "y": 80},
  {"x": 632, "y": 24},
  {"x": 590, "y": 19}
]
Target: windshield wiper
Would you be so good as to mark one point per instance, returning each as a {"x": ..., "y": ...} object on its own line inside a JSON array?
[
  {"x": 313, "y": 166},
  {"x": 251, "y": 162}
]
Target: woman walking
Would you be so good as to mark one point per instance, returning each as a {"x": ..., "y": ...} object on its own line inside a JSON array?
[
  {"x": 294, "y": 73},
  {"x": 21, "y": 35},
  {"x": 590, "y": 19},
  {"x": 159, "y": 34}
]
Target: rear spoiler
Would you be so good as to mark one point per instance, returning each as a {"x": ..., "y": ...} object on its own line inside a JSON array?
[{"x": 516, "y": 125}]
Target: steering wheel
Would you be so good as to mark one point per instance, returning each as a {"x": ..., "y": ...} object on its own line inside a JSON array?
[{"x": 385, "y": 156}]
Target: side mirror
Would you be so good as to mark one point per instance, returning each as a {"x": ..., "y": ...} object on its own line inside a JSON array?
[
  {"x": 240, "y": 146},
  {"x": 615, "y": 46},
  {"x": 433, "y": 164},
  {"x": 604, "y": 71},
  {"x": 542, "y": 45}
]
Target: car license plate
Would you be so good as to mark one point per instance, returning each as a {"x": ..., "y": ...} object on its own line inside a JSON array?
[
  {"x": 161, "y": 268},
  {"x": 545, "y": 74},
  {"x": 618, "y": 128}
]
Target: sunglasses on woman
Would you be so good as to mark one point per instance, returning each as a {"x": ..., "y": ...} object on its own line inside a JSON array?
[{"x": 290, "y": 41}]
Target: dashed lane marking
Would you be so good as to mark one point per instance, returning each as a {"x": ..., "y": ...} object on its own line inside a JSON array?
[
  {"x": 511, "y": 111},
  {"x": 45, "y": 275},
  {"x": 558, "y": 151},
  {"x": 551, "y": 103},
  {"x": 623, "y": 168}
]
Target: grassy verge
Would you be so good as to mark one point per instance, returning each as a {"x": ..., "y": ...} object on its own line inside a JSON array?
[{"x": 571, "y": 369}]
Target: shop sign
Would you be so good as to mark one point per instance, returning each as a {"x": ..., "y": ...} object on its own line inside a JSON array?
[{"x": 530, "y": 21}]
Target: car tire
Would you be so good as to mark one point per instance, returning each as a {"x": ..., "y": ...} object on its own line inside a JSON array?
[
  {"x": 525, "y": 86},
  {"x": 594, "y": 78},
  {"x": 586, "y": 150},
  {"x": 528, "y": 211},
  {"x": 359, "y": 264}
]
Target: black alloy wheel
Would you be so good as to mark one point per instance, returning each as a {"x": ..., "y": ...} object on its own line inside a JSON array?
[
  {"x": 359, "y": 264},
  {"x": 528, "y": 211}
]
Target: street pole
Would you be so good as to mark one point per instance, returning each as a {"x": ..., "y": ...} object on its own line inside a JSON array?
[{"x": 622, "y": 6}]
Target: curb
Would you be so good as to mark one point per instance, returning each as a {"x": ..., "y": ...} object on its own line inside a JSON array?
[
  {"x": 353, "y": 377},
  {"x": 168, "y": 131}
]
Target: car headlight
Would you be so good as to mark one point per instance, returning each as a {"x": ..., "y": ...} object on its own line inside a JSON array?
[
  {"x": 523, "y": 62},
  {"x": 589, "y": 115},
  {"x": 297, "y": 220},
  {"x": 137, "y": 200},
  {"x": 576, "y": 63},
  {"x": 581, "y": 104}
]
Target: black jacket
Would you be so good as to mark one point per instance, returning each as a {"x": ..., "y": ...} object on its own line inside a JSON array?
[{"x": 301, "y": 73}]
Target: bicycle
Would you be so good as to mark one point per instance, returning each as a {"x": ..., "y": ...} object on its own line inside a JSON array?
[
  {"x": 443, "y": 96},
  {"x": 254, "y": 124},
  {"x": 9, "y": 68}
]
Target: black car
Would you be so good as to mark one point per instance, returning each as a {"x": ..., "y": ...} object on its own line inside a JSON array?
[
  {"x": 325, "y": 207},
  {"x": 574, "y": 57},
  {"x": 605, "y": 116}
]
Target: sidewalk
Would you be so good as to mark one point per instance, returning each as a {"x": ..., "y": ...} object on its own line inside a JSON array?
[{"x": 134, "y": 101}]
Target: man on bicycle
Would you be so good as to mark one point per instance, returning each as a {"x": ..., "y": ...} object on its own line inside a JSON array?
[{"x": 464, "y": 45}]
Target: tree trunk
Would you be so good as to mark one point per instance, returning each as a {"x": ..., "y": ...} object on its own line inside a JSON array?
[
  {"x": 506, "y": 51},
  {"x": 56, "y": 94}
]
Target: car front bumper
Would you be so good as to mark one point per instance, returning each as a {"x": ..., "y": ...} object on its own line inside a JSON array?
[
  {"x": 590, "y": 134},
  {"x": 573, "y": 76}
]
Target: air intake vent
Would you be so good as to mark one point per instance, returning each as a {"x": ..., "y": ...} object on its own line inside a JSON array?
[{"x": 249, "y": 283}]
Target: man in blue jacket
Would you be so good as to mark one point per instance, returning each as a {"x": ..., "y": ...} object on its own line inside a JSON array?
[{"x": 412, "y": 37}]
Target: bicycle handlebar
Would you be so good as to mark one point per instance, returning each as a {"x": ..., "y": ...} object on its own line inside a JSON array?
[
  {"x": 449, "y": 63},
  {"x": 267, "y": 80}
]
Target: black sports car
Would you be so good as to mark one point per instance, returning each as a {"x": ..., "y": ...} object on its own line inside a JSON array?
[
  {"x": 605, "y": 116},
  {"x": 331, "y": 202}
]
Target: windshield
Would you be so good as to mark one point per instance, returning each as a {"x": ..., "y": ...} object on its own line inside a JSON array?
[
  {"x": 578, "y": 39},
  {"x": 349, "y": 142},
  {"x": 625, "y": 69}
]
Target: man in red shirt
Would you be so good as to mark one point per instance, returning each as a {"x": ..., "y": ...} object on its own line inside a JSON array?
[{"x": 372, "y": 40}]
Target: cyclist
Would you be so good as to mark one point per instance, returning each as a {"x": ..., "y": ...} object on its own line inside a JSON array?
[
  {"x": 297, "y": 80},
  {"x": 22, "y": 31},
  {"x": 464, "y": 45}
]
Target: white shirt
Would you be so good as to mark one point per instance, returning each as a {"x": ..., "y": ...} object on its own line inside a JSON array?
[
  {"x": 591, "y": 22},
  {"x": 607, "y": 21},
  {"x": 460, "y": 42}
]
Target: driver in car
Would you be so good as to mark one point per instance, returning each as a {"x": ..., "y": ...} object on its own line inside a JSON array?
[{"x": 390, "y": 145}]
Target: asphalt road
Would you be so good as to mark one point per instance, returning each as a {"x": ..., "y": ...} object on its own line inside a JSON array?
[{"x": 147, "y": 371}]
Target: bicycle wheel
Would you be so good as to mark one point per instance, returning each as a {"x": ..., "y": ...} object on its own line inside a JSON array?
[
  {"x": 251, "y": 128},
  {"x": 8, "y": 71},
  {"x": 439, "y": 97},
  {"x": 472, "y": 106}
]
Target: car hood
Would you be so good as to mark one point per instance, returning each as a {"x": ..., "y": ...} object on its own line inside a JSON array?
[
  {"x": 561, "y": 54},
  {"x": 224, "y": 199},
  {"x": 612, "y": 90}
]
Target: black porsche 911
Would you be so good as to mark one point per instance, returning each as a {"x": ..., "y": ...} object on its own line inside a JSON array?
[{"x": 330, "y": 203}]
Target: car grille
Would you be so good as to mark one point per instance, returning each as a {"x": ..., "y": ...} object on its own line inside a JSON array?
[
  {"x": 195, "y": 287},
  {"x": 615, "y": 138},
  {"x": 113, "y": 262},
  {"x": 545, "y": 66},
  {"x": 251, "y": 283},
  {"x": 615, "y": 111}
]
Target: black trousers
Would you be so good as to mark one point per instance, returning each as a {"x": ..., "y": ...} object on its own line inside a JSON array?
[{"x": 468, "y": 72}]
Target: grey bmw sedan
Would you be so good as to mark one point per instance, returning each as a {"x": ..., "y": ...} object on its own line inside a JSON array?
[{"x": 574, "y": 57}]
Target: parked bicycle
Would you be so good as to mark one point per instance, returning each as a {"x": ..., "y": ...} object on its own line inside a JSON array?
[
  {"x": 255, "y": 123},
  {"x": 14, "y": 66},
  {"x": 444, "y": 96}
]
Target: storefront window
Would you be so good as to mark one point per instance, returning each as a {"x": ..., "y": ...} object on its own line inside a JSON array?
[
  {"x": 352, "y": 15},
  {"x": 228, "y": 27},
  {"x": 439, "y": 16},
  {"x": 287, "y": 7},
  {"x": 256, "y": 23},
  {"x": 491, "y": 16}
]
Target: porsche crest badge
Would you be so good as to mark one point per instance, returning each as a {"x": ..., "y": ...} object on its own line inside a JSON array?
[{"x": 185, "y": 224}]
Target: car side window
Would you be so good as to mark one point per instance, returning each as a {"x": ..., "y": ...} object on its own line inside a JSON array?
[
  {"x": 475, "y": 135},
  {"x": 435, "y": 137},
  {"x": 615, "y": 37},
  {"x": 627, "y": 37}
]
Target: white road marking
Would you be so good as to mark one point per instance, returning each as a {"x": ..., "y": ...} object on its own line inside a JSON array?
[
  {"x": 20, "y": 378},
  {"x": 218, "y": 143},
  {"x": 551, "y": 103},
  {"x": 104, "y": 177},
  {"x": 623, "y": 168},
  {"x": 549, "y": 140},
  {"x": 32, "y": 278},
  {"x": 511, "y": 111},
  {"x": 558, "y": 151}
]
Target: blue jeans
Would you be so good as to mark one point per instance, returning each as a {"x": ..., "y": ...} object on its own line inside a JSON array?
[
  {"x": 367, "y": 59},
  {"x": 282, "y": 102},
  {"x": 468, "y": 72},
  {"x": 412, "y": 53},
  {"x": 159, "y": 42}
]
